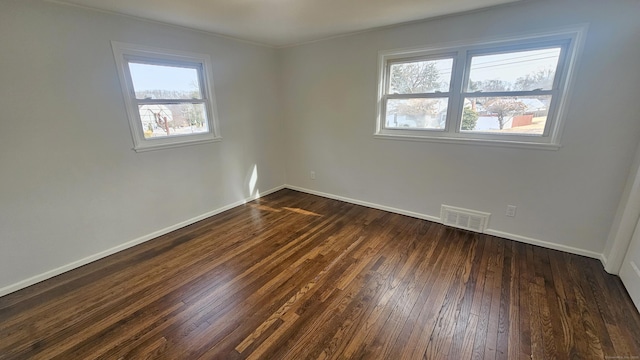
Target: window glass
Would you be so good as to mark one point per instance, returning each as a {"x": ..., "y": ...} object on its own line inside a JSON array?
[
  {"x": 418, "y": 113},
  {"x": 168, "y": 95},
  {"x": 506, "y": 114},
  {"x": 152, "y": 81},
  {"x": 511, "y": 92},
  {"x": 161, "y": 120},
  {"x": 514, "y": 71},
  {"x": 427, "y": 76}
]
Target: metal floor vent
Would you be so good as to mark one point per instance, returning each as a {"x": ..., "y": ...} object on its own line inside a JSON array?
[{"x": 464, "y": 218}]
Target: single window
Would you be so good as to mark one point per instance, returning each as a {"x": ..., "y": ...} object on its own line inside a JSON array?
[
  {"x": 168, "y": 95},
  {"x": 504, "y": 92}
]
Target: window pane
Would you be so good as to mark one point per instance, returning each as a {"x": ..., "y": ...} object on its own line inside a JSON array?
[
  {"x": 521, "y": 70},
  {"x": 506, "y": 115},
  {"x": 416, "y": 113},
  {"x": 420, "y": 77},
  {"x": 172, "y": 119},
  {"x": 164, "y": 82}
]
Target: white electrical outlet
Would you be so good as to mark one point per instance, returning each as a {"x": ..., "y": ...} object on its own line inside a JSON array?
[
  {"x": 312, "y": 175},
  {"x": 511, "y": 210}
]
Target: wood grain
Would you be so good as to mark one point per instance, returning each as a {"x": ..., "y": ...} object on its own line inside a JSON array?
[{"x": 296, "y": 276}]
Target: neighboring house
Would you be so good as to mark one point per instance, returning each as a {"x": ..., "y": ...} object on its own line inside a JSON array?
[{"x": 533, "y": 105}]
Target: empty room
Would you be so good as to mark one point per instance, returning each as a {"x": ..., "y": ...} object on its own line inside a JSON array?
[{"x": 406, "y": 179}]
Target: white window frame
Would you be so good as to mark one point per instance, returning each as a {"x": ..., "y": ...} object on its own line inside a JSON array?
[
  {"x": 123, "y": 53},
  {"x": 570, "y": 39}
]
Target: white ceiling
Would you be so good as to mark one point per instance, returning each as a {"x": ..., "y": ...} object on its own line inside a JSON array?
[{"x": 285, "y": 22}]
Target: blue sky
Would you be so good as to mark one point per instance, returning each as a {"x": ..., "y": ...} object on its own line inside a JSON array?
[
  {"x": 509, "y": 67},
  {"x": 160, "y": 77}
]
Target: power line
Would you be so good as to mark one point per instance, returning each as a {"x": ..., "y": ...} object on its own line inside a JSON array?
[
  {"x": 511, "y": 63},
  {"x": 553, "y": 51}
]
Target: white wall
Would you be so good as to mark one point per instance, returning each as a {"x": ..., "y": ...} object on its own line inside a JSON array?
[
  {"x": 70, "y": 185},
  {"x": 566, "y": 198}
]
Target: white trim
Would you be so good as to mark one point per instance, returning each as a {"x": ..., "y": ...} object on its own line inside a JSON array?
[
  {"x": 57, "y": 271},
  {"x": 461, "y": 51},
  {"x": 91, "y": 258},
  {"x": 471, "y": 141},
  {"x": 630, "y": 275},
  {"x": 545, "y": 244},
  {"x": 367, "y": 204},
  {"x": 579, "y": 28},
  {"x": 502, "y": 234},
  {"x": 603, "y": 259},
  {"x": 625, "y": 221},
  {"x": 175, "y": 145},
  {"x": 205, "y": 73},
  {"x": 635, "y": 268}
]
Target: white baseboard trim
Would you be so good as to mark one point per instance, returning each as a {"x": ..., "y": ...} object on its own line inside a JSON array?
[
  {"x": 603, "y": 260},
  {"x": 367, "y": 204},
  {"x": 76, "y": 264},
  {"x": 502, "y": 234},
  {"x": 57, "y": 271},
  {"x": 544, "y": 244}
]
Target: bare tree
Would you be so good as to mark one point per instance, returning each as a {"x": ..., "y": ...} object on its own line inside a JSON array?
[
  {"x": 504, "y": 107},
  {"x": 415, "y": 78},
  {"x": 489, "y": 85},
  {"x": 541, "y": 79}
]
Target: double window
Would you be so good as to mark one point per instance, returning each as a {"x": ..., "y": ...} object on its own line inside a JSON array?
[
  {"x": 503, "y": 92},
  {"x": 168, "y": 96}
]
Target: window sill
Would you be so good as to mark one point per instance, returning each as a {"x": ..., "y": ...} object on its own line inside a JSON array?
[
  {"x": 470, "y": 141},
  {"x": 151, "y": 147}
]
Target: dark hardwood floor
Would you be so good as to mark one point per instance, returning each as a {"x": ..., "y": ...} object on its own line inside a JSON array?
[{"x": 296, "y": 276}]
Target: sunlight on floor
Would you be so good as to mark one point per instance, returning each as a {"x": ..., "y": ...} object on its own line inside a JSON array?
[
  {"x": 301, "y": 211},
  {"x": 264, "y": 207}
]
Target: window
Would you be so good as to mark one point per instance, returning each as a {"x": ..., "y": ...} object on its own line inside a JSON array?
[
  {"x": 168, "y": 95},
  {"x": 508, "y": 92}
]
